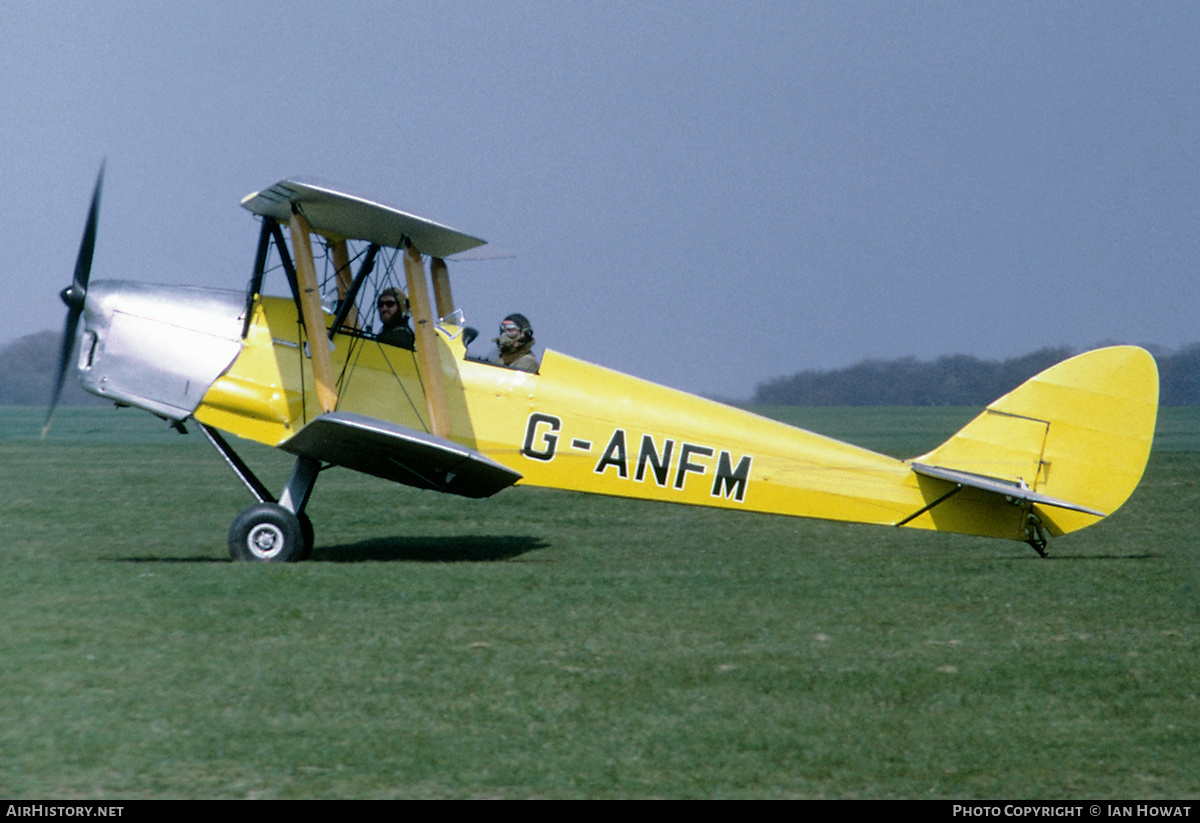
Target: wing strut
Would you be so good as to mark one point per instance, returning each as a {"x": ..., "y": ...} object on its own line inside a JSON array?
[
  {"x": 441, "y": 287},
  {"x": 345, "y": 279},
  {"x": 285, "y": 260},
  {"x": 429, "y": 359},
  {"x": 260, "y": 264},
  {"x": 314, "y": 319}
]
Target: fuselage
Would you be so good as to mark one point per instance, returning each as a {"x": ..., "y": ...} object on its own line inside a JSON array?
[{"x": 244, "y": 365}]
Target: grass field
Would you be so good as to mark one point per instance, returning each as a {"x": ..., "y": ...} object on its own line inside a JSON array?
[{"x": 543, "y": 644}]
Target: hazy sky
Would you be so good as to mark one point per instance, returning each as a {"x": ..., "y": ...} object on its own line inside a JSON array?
[{"x": 707, "y": 195}]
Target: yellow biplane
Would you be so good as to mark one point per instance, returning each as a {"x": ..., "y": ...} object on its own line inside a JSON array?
[{"x": 305, "y": 374}]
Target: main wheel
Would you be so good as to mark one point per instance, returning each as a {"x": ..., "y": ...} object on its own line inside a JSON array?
[
  {"x": 266, "y": 533},
  {"x": 306, "y": 529}
]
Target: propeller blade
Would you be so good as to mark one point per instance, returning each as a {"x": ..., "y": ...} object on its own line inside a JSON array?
[
  {"x": 83, "y": 262},
  {"x": 74, "y": 296},
  {"x": 64, "y": 355}
]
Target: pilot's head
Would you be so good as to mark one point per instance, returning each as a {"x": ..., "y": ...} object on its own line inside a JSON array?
[
  {"x": 515, "y": 332},
  {"x": 393, "y": 307}
]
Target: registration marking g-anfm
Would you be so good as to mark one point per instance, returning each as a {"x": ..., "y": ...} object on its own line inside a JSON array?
[{"x": 543, "y": 434}]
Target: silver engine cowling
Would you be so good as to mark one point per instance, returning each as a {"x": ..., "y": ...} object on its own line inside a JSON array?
[{"x": 159, "y": 348}]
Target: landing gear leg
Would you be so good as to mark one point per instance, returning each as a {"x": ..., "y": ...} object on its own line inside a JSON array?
[{"x": 271, "y": 531}]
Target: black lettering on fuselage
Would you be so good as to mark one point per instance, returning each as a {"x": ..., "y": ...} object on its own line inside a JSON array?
[
  {"x": 731, "y": 482},
  {"x": 615, "y": 455},
  {"x": 660, "y": 464},
  {"x": 685, "y": 465},
  {"x": 540, "y": 437}
]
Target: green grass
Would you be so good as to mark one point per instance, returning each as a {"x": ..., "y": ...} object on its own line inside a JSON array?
[{"x": 543, "y": 644}]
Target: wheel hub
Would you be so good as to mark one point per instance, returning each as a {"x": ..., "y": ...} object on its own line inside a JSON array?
[{"x": 265, "y": 540}]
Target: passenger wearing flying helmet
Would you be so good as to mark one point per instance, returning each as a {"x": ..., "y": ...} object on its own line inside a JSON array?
[{"x": 516, "y": 343}]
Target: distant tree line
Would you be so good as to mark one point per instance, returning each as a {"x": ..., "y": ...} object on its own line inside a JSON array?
[
  {"x": 954, "y": 380},
  {"x": 27, "y": 369}
]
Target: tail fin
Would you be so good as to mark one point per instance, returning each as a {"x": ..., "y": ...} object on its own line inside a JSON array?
[{"x": 1079, "y": 432}]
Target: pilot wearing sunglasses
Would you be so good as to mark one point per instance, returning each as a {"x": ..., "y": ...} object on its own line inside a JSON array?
[{"x": 393, "y": 312}]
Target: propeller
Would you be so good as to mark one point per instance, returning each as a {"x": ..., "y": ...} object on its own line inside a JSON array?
[{"x": 74, "y": 296}]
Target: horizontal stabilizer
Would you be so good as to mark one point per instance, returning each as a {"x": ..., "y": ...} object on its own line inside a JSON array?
[
  {"x": 402, "y": 455},
  {"x": 340, "y": 213},
  {"x": 1015, "y": 491}
]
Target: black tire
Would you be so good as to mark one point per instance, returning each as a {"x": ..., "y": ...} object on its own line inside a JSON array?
[
  {"x": 266, "y": 533},
  {"x": 306, "y": 530}
]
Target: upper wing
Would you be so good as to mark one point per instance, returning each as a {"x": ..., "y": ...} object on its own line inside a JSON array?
[
  {"x": 400, "y": 454},
  {"x": 340, "y": 213}
]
